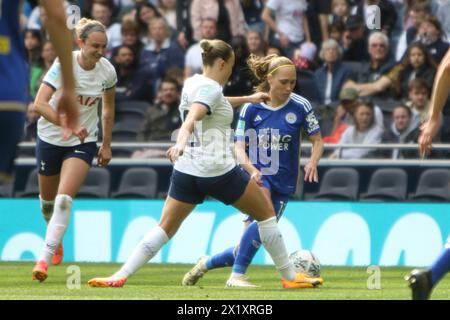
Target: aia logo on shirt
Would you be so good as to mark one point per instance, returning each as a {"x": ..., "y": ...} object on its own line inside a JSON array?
[{"x": 88, "y": 101}]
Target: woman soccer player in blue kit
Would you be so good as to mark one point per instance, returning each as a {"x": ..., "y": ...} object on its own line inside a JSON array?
[
  {"x": 276, "y": 125},
  {"x": 14, "y": 77}
]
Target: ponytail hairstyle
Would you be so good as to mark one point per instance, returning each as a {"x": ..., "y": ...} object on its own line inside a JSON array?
[
  {"x": 215, "y": 49},
  {"x": 86, "y": 26},
  {"x": 263, "y": 66}
]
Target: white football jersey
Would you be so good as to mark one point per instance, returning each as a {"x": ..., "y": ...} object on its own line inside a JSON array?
[
  {"x": 89, "y": 86},
  {"x": 208, "y": 152}
]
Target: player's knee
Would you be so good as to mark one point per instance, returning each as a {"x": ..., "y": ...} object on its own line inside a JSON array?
[
  {"x": 63, "y": 202},
  {"x": 47, "y": 208}
]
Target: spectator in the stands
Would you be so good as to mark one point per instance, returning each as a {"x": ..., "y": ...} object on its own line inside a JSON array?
[
  {"x": 184, "y": 30},
  {"x": 336, "y": 31},
  {"x": 256, "y": 43},
  {"x": 163, "y": 118},
  {"x": 161, "y": 53},
  {"x": 419, "y": 9},
  {"x": 416, "y": 64},
  {"x": 344, "y": 115},
  {"x": 241, "y": 81},
  {"x": 130, "y": 36},
  {"x": 145, "y": 12},
  {"x": 39, "y": 69},
  {"x": 131, "y": 84},
  {"x": 418, "y": 101},
  {"x": 332, "y": 75},
  {"x": 380, "y": 62},
  {"x": 33, "y": 45},
  {"x": 354, "y": 40},
  {"x": 193, "y": 62},
  {"x": 430, "y": 33},
  {"x": 228, "y": 14},
  {"x": 290, "y": 27},
  {"x": 402, "y": 130},
  {"x": 102, "y": 11},
  {"x": 167, "y": 8},
  {"x": 340, "y": 11},
  {"x": 252, "y": 13},
  {"x": 31, "y": 123},
  {"x": 364, "y": 131}
]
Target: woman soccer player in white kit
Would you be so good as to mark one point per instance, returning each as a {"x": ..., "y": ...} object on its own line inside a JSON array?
[
  {"x": 204, "y": 165},
  {"x": 64, "y": 164}
]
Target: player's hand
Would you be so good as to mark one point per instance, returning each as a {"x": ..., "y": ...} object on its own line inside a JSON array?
[
  {"x": 428, "y": 131},
  {"x": 68, "y": 113},
  {"x": 257, "y": 176},
  {"x": 259, "y": 97},
  {"x": 104, "y": 156},
  {"x": 311, "y": 174},
  {"x": 81, "y": 133},
  {"x": 174, "y": 153}
]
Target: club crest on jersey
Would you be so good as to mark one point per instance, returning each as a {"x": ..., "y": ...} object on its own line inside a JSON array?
[{"x": 291, "y": 117}]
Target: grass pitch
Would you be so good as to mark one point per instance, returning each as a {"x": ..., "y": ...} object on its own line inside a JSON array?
[{"x": 163, "y": 281}]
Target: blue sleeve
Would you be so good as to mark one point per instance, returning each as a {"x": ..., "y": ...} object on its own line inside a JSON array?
[{"x": 310, "y": 121}]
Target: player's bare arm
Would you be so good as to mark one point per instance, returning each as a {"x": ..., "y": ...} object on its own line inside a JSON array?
[
  {"x": 108, "y": 109},
  {"x": 244, "y": 162},
  {"x": 62, "y": 39},
  {"x": 441, "y": 90},
  {"x": 196, "y": 113},
  {"x": 311, "y": 174},
  {"x": 257, "y": 97}
]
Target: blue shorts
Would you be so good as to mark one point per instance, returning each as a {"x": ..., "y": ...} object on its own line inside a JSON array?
[
  {"x": 227, "y": 188},
  {"x": 49, "y": 158},
  {"x": 12, "y": 124},
  {"x": 279, "y": 201}
]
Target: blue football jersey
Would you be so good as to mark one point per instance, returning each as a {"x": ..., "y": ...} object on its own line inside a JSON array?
[
  {"x": 13, "y": 63},
  {"x": 272, "y": 137}
]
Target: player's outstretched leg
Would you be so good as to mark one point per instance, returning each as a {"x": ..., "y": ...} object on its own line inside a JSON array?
[
  {"x": 55, "y": 232},
  {"x": 422, "y": 282},
  {"x": 174, "y": 213},
  {"x": 145, "y": 250},
  {"x": 47, "y": 208}
]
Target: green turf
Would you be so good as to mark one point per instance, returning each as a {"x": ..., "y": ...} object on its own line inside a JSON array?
[{"x": 162, "y": 281}]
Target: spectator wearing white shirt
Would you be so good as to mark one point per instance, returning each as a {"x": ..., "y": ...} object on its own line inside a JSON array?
[
  {"x": 290, "y": 26},
  {"x": 193, "y": 62}
]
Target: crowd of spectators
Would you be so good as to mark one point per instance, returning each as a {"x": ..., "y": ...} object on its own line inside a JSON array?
[{"x": 367, "y": 85}]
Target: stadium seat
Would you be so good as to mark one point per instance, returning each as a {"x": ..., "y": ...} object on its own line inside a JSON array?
[
  {"x": 6, "y": 189},
  {"x": 138, "y": 183},
  {"x": 387, "y": 184},
  {"x": 433, "y": 186},
  {"x": 134, "y": 105},
  {"x": 31, "y": 187},
  {"x": 96, "y": 184},
  {"x": 339, "y": 184},
  {"x": 125, "y": 131}
]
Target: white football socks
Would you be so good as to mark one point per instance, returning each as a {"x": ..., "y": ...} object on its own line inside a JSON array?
[
  {"x": 273, "y": 241},
  {"x": 57, "y": 226},
  {"x": 145, "y": 250},
  {"x": 46, "y": 209}
]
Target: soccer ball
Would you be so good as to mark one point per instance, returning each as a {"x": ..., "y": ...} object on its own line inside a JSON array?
[{"x": 305, "y": 262}]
